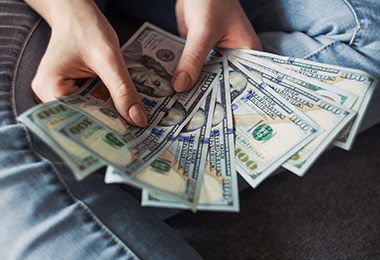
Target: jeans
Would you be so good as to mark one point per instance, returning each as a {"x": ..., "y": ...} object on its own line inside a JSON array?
[{"x": 46, "y": 213}]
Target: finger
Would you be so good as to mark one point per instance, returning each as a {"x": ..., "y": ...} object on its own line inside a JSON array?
[
  {"x": 240, "y": 34},
  {"x": 197, "y": 47},
  {"x": 48, "y": 88},
  {"x": 51, "y": 80},
  {"x": 111, "y": 68},
  {"x": 181, "y": 25}
]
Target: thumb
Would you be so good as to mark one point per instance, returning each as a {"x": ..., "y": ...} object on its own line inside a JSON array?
[
  {"x": 196, "y": 49},
  {"x": 114, "y": 74}
]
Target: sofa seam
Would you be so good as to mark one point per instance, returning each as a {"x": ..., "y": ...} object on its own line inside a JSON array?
[{"x": 17, "y": 65}]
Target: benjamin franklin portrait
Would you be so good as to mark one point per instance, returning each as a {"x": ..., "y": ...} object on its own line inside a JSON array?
[
  {"x": 175, "y": 115},
  {"x": 238, "y": 83},
  {"x": 219, "y": 114},
  {"x": 197, "y": 121},
  {"x": 148, "y": 75}
]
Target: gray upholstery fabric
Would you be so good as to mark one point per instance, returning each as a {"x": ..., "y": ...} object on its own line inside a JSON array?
[{"x": 331, "y": 213}]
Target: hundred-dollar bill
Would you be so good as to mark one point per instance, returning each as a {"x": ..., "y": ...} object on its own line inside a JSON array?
[
  {"x": 130, "y": 158},
  {"x": 329, "y": 115},
  {"x": 43, "y": 120},
  {"x": 101, "y": 141},
  {"x": 181, "y": 168},
  {"x": 338, "y": 95},
  {"x": 268, "y": 129},
  {"x": 166, "y": 132},
  {"x": 219, "y": 190},
  {"x": 355, "y": 81},
  {"x": 151, "y": 56}
]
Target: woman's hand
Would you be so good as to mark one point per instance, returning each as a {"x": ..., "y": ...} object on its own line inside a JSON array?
[
  {"x": 83, "y": 44},
  {"x": 205, "y": 24}
]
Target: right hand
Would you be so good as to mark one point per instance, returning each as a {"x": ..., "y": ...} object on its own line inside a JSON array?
[{"x": 83, "y": 44}]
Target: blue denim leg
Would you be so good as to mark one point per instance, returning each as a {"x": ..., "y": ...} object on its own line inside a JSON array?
[
  {"x": 340, "y": 32},
  {"x": 44, "y": 212}
]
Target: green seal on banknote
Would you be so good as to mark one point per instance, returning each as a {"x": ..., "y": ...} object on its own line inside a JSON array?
[
  {"x": 295, "y": 157},
  {"x": 112, "y": 140},
  {"x": 160, "y": 166},
  {"x": 262, "y": 133}
]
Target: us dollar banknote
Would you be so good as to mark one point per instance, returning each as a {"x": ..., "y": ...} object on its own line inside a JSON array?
[
  {"x": 43, "y": 120},
  {"x": 355, "y": 81},
  {"x": 101, "y": 141},
  {"x": 130, "y": 158},
  {"x": 169, "y": 129},
  {"x": 330, "y": 116},
  {"x": 151, "y": 56},
  {"x": 268, "y": 129},
  {"x": 219, "y": 191},
  {"x": 181, "y": 168},
  {"x": 338, "y": 95}
]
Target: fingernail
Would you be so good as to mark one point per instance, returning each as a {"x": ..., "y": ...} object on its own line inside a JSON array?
[
  {"x": 182, "y": 81},
  {"x": 138, "y": 115}
]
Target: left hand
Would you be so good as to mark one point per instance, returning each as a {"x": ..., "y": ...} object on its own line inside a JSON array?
[{"x": 205, "y": 24}]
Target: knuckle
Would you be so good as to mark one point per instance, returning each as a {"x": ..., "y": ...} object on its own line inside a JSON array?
[
  {"x": 125, "y": 92},
  {"x": 63, "y": 89},
  {"x": 193, "y": 59}
]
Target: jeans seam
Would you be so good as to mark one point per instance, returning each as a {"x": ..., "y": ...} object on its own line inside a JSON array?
[
  {"x": 357, "y": 19},
  {"x": 318, "y": 51},
  {"x": 353, "y": 37},
  {"x": 82, "y": 205}
]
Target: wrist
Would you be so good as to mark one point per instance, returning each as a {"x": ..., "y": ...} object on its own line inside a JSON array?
[
  {"x": 63, "y": 12},
  {"x": 59, "y": 12}
]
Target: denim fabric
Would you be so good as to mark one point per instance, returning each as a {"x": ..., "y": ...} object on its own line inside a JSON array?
[
  {"x": 46, "y": 213},
  {"x": 339, "y": 32}
]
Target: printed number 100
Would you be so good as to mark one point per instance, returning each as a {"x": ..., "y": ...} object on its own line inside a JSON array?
[{"x": 244, "y": 158}]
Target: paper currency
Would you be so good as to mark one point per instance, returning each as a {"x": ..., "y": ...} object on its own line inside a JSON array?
[
  {"x": 130, "y": 158},
  {"x": 330, "y": 116},
  {"x": 151, "y": 56},
  {"x": 165, "y": 133},
  {"x": 43, "y": 120},
  {"x": 268, "y": 129},
  {"x": 188, "y": 154},
  {"x": 357, "y": 82},
  {"x": 219, "y": 190},
  {"x": 182, "y": 167},
  {"x": 100, "y": 140},
  {"x": 338, "y": 95}
]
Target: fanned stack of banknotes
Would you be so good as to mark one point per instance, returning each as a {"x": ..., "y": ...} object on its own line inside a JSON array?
[{"x": 249, "y": 113}]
